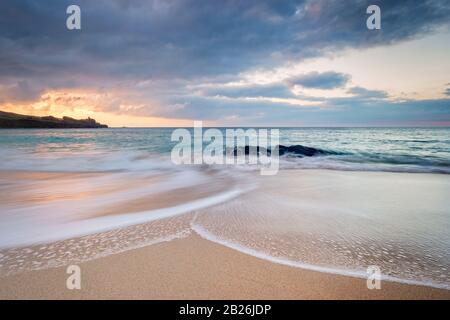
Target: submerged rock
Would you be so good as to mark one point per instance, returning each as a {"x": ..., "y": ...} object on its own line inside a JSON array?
[{"x": 296, "y": 150}]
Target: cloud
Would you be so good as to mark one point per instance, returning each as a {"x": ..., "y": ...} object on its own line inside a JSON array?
[
  {"x": 325, "y": 80},
  {"x": 188, "y": 38},
  {"x": 20, "y": 91},
  {"x": 348, "y": 112},
  {"x": 447, "y": 90},
  {"x": 151, "y": 54},
  {"x": 279, "y": 90},
  {"x": 368, "y": 94}
]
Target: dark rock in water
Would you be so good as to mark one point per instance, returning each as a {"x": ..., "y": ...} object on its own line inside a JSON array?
[
  {"x": 247, "y": 150},
  {"x": 295, "y": 150},
  {"x": 13, "y": 120},
  {"x": 300, "y": 150}
]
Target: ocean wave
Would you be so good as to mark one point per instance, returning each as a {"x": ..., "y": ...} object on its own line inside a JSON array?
[
  {"x": 294, "y": 150},
  {"x": 356, "y": 273},
  {"x": 306, "y": 157},
  {"x": 392, "y": 155},
  {"x": 367, "y": 162}
]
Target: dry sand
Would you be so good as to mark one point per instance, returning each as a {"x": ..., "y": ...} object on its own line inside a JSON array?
[{"x": 194, "y": 268}]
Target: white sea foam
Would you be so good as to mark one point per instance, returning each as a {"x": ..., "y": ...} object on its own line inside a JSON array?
[
  {"x": 17, "y": 233},
  {"x": 205, "y": 234},
  {"x": 322, "y": 220},
  {"x": 94, "y": 246},
  {"x": 340, "y": 222}
]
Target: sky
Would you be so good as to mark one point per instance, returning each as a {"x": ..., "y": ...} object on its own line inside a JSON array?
[{"x": 229, "y": 62}]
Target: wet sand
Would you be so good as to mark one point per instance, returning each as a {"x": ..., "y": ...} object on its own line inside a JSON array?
[
  {"x": 194, "y": 268},
  {"x": 167, "y": 259}
]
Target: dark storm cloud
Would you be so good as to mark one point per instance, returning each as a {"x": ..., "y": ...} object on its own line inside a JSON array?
[
  {"x": 187, "y": 38},
  {"x": 170, "y": 44},
  {"x": 325, "y": 80},
  {"x": 20, "y": 91}
]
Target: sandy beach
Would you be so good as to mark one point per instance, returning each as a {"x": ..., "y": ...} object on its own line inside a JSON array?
[
  {"x": 194, "y": 268},
  {"x": 224, "y": 150},
  {"x": 313, "y": 238}
]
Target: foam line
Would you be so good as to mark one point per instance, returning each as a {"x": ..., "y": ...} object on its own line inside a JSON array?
[
  {"x": 106, "y": 223},
  {"x": 205, "y": 234}
]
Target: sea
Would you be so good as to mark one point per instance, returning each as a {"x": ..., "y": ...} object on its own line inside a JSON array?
[{"x": 367, "y": 197}]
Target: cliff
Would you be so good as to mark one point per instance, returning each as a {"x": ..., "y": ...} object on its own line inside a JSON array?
[{"x": 14, "y": 120}]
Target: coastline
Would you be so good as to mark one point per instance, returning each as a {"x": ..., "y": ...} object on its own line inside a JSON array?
[
  {"x": 194, "y": 268},
  {"x": 279, "y": 247}
]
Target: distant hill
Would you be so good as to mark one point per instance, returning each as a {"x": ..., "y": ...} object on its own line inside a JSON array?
[{"x": 14, "y": 120}]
